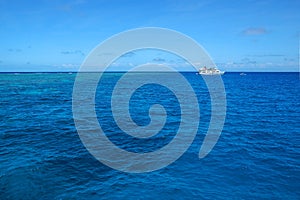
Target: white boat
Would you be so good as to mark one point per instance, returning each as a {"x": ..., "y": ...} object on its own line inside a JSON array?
[{"x": 210, "y": 71}]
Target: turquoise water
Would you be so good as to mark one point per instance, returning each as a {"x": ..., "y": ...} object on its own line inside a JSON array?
[{"x": 256, "y": 157}]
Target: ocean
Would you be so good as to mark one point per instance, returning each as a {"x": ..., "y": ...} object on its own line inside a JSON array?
[{"x": 256, "y": 157}]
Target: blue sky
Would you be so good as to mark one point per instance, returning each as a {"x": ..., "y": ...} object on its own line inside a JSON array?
[{"x": 56, "y": 35}]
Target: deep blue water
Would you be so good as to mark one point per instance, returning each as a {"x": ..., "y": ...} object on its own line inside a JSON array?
[{"x": 256, "y": 157}]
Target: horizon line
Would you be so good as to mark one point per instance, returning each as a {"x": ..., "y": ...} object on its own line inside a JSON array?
[{"x": 142, "y": 72}]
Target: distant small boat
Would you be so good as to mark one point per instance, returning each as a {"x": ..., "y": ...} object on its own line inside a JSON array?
[
  {"x": 210, "y": 71},
  {"x": 70, "y": 73},
  {"x": 243, "y": 74}
]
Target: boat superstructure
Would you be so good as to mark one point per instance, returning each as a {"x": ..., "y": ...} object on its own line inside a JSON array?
[{"x": 210, "y": 71}]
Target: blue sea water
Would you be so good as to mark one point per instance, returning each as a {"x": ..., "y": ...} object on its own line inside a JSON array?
[{"x": 256, "y": 157}]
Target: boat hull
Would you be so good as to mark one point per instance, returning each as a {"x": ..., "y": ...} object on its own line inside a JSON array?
[{"x": 218, "y": 73}]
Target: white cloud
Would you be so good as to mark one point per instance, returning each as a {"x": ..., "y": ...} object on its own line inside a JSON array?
[
  {"x": 73, "y": 52},
  {"x": 254, "y": 31},
  {"x": 69, "y": 66}
]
